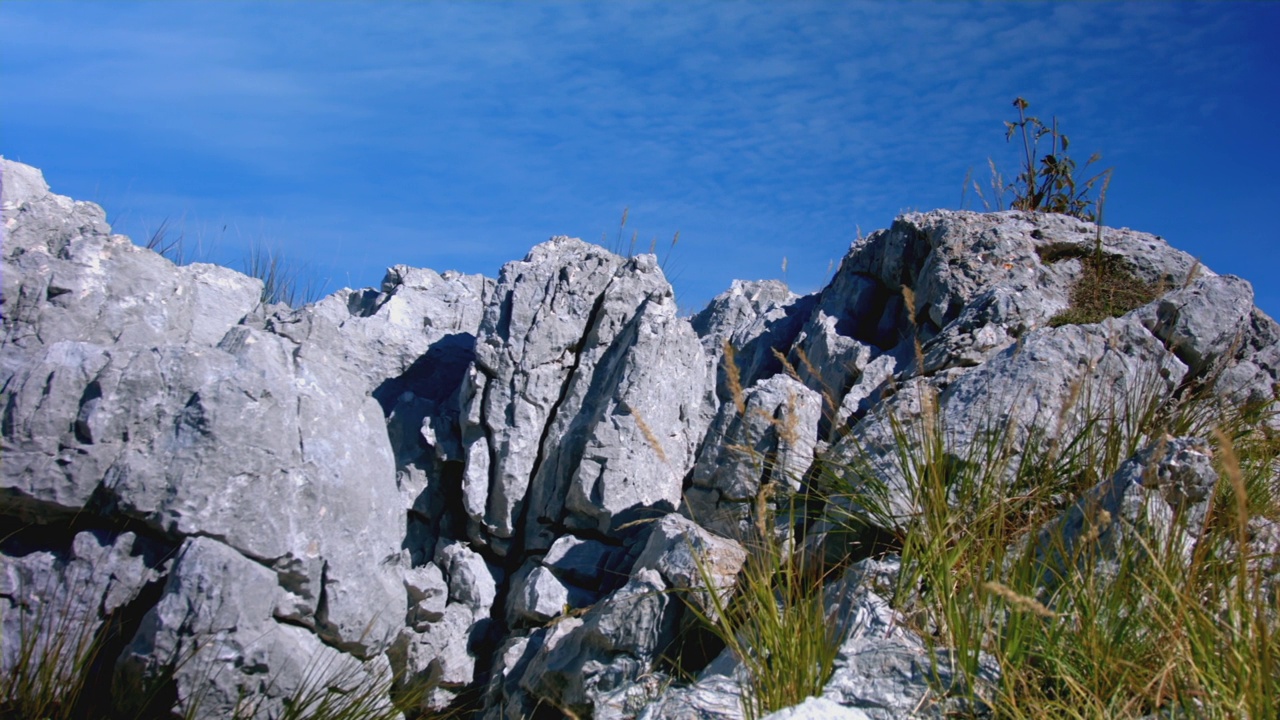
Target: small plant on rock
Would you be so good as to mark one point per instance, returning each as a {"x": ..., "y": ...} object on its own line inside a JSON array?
[
  {"x": 1049, "y": 184},
  {"x": 1052, "y": 186}
]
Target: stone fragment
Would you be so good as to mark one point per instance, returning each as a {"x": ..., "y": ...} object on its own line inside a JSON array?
[
  {"x": 689, "y": 558},
  {"x": 882, "y": 668},
  {"x": 594, "y": 397},
  {"x": 757, "y": 319},
  {"x": 818, "y": 708},
  {"x": 471, "y": 581},
  {"x": 1201, "y": 322},
  {"x": 1158, "y": 498},
  {"x": 537, "y": 596},
  {"x": 428, "y": 595},
  {"x": 612, "y": 645},
  {"x": 585, "y": 561},
  {"x": 213, "y": 633},
  {"x": 771, "y": 446}
]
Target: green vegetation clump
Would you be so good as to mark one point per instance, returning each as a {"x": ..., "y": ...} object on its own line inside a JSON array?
[
  {"x": 1106, "y": 288},
  {"x": 1180, "y": 622},
  {"x": 1045, "y": 183},
  {"x": 1051, "y": 187},
  {"x": 776, "y": 624}
]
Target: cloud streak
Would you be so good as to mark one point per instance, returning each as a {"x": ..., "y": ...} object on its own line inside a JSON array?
[{"x": 769, "y": 128}]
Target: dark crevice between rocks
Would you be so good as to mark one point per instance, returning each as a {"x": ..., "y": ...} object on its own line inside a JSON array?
[
  {"x": 416, "y": 396},
  {"x": 57, "y": 536},
  {"x": 39, "y": 525},
  {"x": 100, "y": 694},
  {"x": 437, "y": 513},
  {"x": 190, "y": 422},
  {"x": 435, "y": 376},
  {"x": 502, "y": 328},
  {"x": 514, "y": 555},
  {"x": 117, "y": 631},
  {"x": 864, "y": 321},
  {"x": 778, "y": 335},
  {"x": 7, "y": 424},
  {"x": 690, "y": 651},
  {"x": 89, "y": 400},
  {"x": 324, "y": 630}
]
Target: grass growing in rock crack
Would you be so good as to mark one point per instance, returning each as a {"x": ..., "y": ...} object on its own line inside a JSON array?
[
  {"x": 776, "y": 621},
  {"x": 342, "y": 693},
  {"x": 282, "y": 281},
  {"x": 53, "y": 669},
  {"x": 1121, "y": 630},
  {"x": 50, "y": 661},
  {"x": 776, "y": 624}
]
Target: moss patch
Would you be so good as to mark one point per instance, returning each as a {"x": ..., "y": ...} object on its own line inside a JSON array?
[{"x": 1106, "y": 287}]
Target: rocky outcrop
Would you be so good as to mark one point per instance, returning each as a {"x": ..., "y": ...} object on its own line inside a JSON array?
[
  {"x": 587, "y": 400},
  {"x": 167, "y": 400},
  {"x": 516, "y": 496}
]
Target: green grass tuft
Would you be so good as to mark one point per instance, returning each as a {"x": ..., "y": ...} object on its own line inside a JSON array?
[{"x": 1106, "y": 286}]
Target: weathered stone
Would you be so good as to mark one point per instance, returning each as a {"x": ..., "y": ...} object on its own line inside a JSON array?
[
  {"x": 1158, "y": 498},
  {"x": 818, "y": 708},
  {"x": 613, "y": 645},
  {"x": 759, "y": 320},
  {"x": 585, "y": 561},
  {"x": 214, "y": 634},
  {"x": 356, "y": 483},
  {"x": 770, "y": 446},
  {"x": 440, "y": 657},
  {"x": 471, "y": 581},
  {"x": 56, "y": 600},
  {"x": 689, "y": 559},
  {"x": 537, "y": 596},
  {"x": 593, "y": 396},
  {"x": 716, "y": 697},
  {"x": 882, "y": 668},
  {"x": 428, "y": 595},
  {"x": 1047, "y": 383},
  {"x": 1201, "y": 322}
]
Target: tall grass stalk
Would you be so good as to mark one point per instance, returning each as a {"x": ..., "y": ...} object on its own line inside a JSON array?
[
  {"x": 776, "y": 624},
  {"x": 1121, "y": 629},
  {"x": 50, "y": 662},
  {"x": 282, "y": 282}
]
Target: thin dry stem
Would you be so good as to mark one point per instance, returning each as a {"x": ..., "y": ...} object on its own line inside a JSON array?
[
  {"x": 1019, "y": 601},
  {"x": 733, "y": 377}
]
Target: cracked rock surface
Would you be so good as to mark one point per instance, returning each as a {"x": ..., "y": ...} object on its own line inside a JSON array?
[{"x": 503, "y": 492}]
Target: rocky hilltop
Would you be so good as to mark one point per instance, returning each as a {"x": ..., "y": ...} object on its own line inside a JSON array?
[{"x": 499, "y": 491}]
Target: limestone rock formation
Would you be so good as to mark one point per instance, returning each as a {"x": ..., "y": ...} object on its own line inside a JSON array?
[{"x": 505, "y": 495}]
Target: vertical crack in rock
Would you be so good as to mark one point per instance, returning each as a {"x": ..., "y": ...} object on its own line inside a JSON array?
[{"x": 544, "y": 441}]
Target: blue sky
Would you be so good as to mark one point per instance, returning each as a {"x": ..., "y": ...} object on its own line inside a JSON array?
[{"x": 353, "y": 136}]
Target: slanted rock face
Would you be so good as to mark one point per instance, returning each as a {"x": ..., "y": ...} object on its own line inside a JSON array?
[
  {"x": 1161, "y": 495},
  {"x": 214, "y": 631},
  {"x": 589, "y": 399},
  {"x": 769, "y": 446},
  {"x": 983, "y": 298},
  {"x": 757, "y": 319}
]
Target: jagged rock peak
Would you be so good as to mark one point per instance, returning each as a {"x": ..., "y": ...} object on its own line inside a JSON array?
[{"x": 497, "y": 490}]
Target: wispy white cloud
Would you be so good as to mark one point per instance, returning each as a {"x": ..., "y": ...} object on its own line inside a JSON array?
[{"x": 738, "y": 122}]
